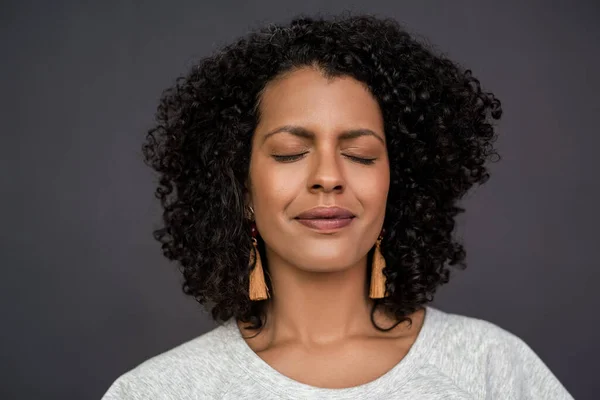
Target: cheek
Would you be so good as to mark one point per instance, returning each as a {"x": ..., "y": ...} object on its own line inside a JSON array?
[
  {"x": 272, "y": 188},
  {"x": 371, "y": 187}
]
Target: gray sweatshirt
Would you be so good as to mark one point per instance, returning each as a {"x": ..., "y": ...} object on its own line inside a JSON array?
[{"x": 453, "y": 357}]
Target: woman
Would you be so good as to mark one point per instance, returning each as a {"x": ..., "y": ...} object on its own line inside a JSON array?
[{"x": 310, "y": 175}]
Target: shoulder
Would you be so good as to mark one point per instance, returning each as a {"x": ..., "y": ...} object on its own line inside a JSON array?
[
  {"x": 463, "y": 341},
  {"x": 480, "y": 354},
  {"x": 471, "y": 332},
  {"x": 194, "y": 366},
  {"x": 481, "y": 341}
]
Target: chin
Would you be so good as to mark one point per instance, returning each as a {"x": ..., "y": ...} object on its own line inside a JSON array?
[{"x": 325, "y": 263}]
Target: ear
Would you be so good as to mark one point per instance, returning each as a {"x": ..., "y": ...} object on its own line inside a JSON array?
[{"x": 247, "y": 196}]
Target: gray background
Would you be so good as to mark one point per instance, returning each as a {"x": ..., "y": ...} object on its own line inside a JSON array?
[{"x": 86, "y": 294}]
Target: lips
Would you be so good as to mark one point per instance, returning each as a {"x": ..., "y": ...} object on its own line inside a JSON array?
[
  {"x": 326, "y": 218},
  {"x": 326, "y": 213}
]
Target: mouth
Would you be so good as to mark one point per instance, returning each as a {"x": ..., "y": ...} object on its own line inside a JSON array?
[{"x": 326, "y": 218}]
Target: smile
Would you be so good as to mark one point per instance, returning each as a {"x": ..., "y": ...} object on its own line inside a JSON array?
[
  {"x": 326, "y": 224},
  {"x": 326, "y": 219}
]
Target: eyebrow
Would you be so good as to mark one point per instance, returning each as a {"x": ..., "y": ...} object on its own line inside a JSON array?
[{"x": 308, "y": 134}]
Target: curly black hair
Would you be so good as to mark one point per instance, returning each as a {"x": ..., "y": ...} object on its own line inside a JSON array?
[{"x": 439, "y": 133}]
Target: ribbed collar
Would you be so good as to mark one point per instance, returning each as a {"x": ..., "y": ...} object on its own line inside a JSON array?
[{"x": 277, "y": 383}]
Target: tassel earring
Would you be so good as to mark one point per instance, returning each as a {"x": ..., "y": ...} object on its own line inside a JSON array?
[
  {"x": 377, "y": 277},
  {"x": 258, "y": 286}
]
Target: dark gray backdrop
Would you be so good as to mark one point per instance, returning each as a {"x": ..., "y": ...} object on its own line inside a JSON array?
[{"x": 86, "y": 294}]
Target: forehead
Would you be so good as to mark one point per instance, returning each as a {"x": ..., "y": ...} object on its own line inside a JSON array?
[{"x": 305, "y": 96}]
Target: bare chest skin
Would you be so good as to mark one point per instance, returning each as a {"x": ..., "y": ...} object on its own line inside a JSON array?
[{"x": 351, "y": 362}]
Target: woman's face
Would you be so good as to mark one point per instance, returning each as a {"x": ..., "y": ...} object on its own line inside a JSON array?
[{"x": 319, "y": 143}]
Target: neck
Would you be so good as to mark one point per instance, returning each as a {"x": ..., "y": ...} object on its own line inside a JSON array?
[{"x": 316, "y": 307}]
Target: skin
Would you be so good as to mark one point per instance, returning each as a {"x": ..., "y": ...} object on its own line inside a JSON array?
[{"x": 318, "y": 328}]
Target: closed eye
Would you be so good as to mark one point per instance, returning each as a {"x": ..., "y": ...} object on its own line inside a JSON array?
[
  {"x": 289, "y": 158},
  {"x": 360, "y": 160},
  {"x": 295, "y": 157}
]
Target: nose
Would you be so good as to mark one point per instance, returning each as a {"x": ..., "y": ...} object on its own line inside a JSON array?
[{"x": 327, "y": 175}]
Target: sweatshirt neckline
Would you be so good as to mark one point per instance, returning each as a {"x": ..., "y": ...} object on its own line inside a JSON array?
[{"x": 277, "y": 383}]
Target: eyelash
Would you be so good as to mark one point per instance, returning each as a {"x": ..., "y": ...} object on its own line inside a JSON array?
[{"x": 294, "y": 157}]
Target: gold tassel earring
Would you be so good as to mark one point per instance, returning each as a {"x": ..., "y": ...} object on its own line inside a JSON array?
[
  {"x": 258, "y": 286},
  {"x": 377, "y": 277}
]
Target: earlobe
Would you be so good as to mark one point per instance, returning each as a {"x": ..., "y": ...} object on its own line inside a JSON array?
[
  {"x": 248, "y": 202},
  {"x": 248, "y": 205},
  {"x": 247, "y": 194}
]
